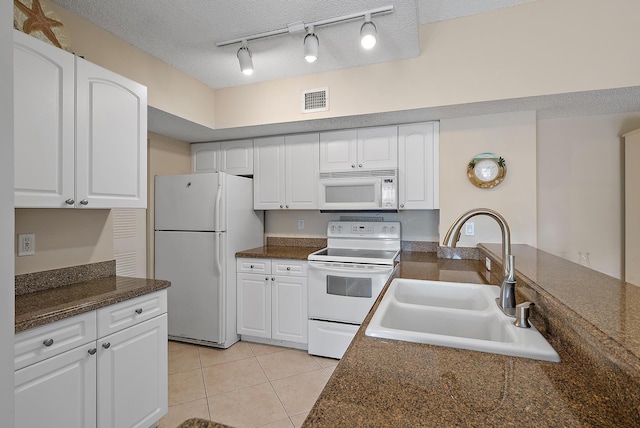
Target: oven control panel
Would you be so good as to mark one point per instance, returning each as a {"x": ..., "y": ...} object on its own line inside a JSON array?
[{"x": 373, "y": 230}]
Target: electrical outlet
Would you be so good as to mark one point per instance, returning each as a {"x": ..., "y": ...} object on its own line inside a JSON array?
[
  {"x": 26, "y": 244},
  {"x": 487, "y": 263},
  {"x": 300, "y": 224},
  {"x": 469, "y": 229}
]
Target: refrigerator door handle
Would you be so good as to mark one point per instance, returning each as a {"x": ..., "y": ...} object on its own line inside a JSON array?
[
  {"x": 216, "y": 208},
  {"x": 217, "y": 254},
  {"x": 221, "y": 289}
]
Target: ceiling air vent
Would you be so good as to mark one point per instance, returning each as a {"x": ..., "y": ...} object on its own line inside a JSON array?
[{"x": 314, "y": 100}]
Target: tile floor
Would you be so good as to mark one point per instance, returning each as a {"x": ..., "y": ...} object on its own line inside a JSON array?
[{"x": 247, "y": 385}]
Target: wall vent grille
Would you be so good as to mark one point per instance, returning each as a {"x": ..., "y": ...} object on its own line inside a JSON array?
[{"x": 314, "y": 100}]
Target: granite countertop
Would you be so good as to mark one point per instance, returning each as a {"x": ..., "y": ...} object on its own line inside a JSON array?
[
  {"x": 201, "y": 423},
  {"x": 36, "y": 308},
  {"x": 278, "y": 252},
  {"x": 382, "y": 382}
]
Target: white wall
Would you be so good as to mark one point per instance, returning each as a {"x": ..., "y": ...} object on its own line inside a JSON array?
[
  {"x": 510, "y": 135},
  {"x": 6, "y": 214},
  {"x": 416, "y": 225},
  {"x": 580, "y": 193}
]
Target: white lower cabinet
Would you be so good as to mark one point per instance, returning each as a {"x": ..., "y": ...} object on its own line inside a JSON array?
[
  {"x": 118, "y": 380},
  {"x": 272, "y": 299}
]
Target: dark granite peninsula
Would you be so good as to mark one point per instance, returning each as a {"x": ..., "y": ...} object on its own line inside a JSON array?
[{"x": 588, "y": 317}]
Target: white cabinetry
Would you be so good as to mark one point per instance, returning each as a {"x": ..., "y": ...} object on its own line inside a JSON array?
[
  {"x": 232, "y": 157},
  {"x": 366, "y": 148},
  {"x": 272, "y": 299},
  {"x": 80, "y": 131},
  {"x": 418, "y": 166},
  {"x": 286, "y": 172},
  {"x": 632, "y": 207},
  {"x": 80, "y": 372}
]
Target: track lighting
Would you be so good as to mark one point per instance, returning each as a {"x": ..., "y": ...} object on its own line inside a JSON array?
[
  {"x": 368, "y": 33},
  {"x": 311, "y": 45},
  {"x": 244, "y": 57}
]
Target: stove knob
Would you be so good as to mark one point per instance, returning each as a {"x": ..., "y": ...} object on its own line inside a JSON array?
[
  {"x": 393, "y": 229},
  {"x": 333, "y": 228},
  {"x": 384, "y": 229},
  {"x": 339, "y": 228}
]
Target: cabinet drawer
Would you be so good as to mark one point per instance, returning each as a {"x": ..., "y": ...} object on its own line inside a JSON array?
[
  {"x": 31, "y": 346},
  {"x": 289, "y": 267},
  {"x": 130, "y": 312},
  {"x": 254, "y": 266}
]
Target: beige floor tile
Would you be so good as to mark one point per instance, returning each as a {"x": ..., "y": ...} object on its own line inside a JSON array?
[
  {"x": 184, "y": 359},
  {"x": 298, "y": 420},
  {"x": 249, "y": 407},
  {"x": 181, "y": 412},
  {"x": 326, "y": 362},
  {"x": 174, "y": 345},
  {"x": 233, "y": 375},
  {"x": 260, "y": 349},
  {"x": 282, "y": 423},
  {"x": 298, "y": 393},
  {"x": 186, "y": 386},
  {"x": 211, "y": 356},
  {"x": 288, "y": 363},
  {"x": 329, "y": 370}
]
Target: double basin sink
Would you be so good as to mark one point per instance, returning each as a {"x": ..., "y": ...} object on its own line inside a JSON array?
[{"x": 457, "y": 315}]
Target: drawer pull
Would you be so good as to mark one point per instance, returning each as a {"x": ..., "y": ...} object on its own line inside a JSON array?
[
  {"x": 92, "y": 351},
  {"x": 48, "y": 342},
  {"x": 139, "y": 311},
  {"x": 288, "y": 268},
  {"x": 266, "y": 278},
  {"x": 251, "y": 266},
  {"x": 106, "y": 345}
]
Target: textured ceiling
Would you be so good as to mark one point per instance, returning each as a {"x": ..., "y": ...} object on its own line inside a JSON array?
[{"x": 184, "y": 33}]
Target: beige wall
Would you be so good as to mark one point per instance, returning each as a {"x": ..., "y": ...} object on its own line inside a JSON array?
[
  {"x": 166, "y": 157},
  {"x": 169, "y": 90},
  {"x": 580, "y": 194},
  {"x": 64, "y": 237},
  {"x": 510, "y": 135},
  {"x": 539, "y": 48},
  {"x": 416, "y": 225}
]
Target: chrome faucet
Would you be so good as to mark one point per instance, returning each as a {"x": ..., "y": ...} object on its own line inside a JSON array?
[{"x": 507, "y": 299}]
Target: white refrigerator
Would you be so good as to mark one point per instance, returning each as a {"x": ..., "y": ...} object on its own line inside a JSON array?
[{"x": 201, "y": 221}]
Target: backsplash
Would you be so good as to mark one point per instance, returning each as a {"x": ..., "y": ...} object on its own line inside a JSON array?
[{"x": 40, "y": 281}]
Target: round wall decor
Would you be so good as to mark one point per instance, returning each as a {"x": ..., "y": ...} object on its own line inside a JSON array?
[{"x": 486, "y": 170}]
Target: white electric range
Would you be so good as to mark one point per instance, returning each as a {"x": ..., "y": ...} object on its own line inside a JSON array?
[{"x": 346, "y": 278}]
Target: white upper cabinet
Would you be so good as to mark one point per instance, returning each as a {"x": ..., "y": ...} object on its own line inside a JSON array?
[
  {"x": 44, "y": 102},
  {"x": 232, "y": 157},
  {"x": 286, "y": 172},
  {"x": 361, "y": 149},
  {"x": 111, "y": 139},
  {"x": 80, "y": 132},
  {"x": 236, "y": 157},
  {"x": 418, "y": 166}
]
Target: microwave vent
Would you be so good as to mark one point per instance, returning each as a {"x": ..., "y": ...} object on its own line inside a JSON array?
[
  {"x": 314, "y": 100},
  {"x": 358, "y": 174}
]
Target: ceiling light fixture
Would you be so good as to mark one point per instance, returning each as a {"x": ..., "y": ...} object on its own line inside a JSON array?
[
  {"x": 244, "y": 57},
  {"x": 368, "y": 33},
  {"x": 311, "y": 44}
]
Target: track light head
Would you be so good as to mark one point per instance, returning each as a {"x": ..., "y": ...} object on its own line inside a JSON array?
[
  {"x": 244, "y": 57},
  {"x": 368, "y": 33},
  {"x": 311, "y": 44}
]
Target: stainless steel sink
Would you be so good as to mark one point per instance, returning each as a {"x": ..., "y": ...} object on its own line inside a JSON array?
[{"x": 456, "y": 315}]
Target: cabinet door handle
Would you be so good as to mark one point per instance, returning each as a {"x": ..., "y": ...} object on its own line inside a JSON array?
[
  {"x": 288, "y": 268},
  {"x": 48, "y": 342},
  {"x": 359, "y": 165},
  {"x": 139, "y": 311},
  {"x": 84, "y": 202},
  {"x": 106, "y": 345},
  {"x": 353, "y": 165},
  {"x": 69, "y": 201},
  {"x": 287, "y": 206},
  {"x": 273, "y": 279},
  {"x": 92, "y": 351},
  {"x": 401, "y": 205},
  {"x": 251, "y": 266},
  {"x": 281, "y": 206},
  {"x": 266, "y": 278}
]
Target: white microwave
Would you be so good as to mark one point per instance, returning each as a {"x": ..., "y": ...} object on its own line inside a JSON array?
[{"x": 359, "y": 190}]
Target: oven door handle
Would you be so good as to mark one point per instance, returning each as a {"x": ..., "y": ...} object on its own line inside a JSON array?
[{"x": 330, "y": 268}]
